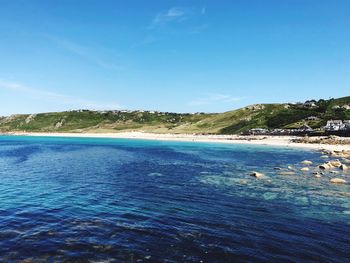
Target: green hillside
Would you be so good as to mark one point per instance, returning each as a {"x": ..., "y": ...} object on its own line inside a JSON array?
[{"x": 289, "y": 115}]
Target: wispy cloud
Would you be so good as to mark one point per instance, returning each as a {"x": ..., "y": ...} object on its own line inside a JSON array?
[
  {"x": 174, "y": 14},
  {"x": 192, "y": 19},
  {"x": 149, "y": 39},
  {"x": 56, "y": 97},
  {"x": 84, "y": 52},
  {"x": 198, "y": 29},
  {"x": 213, "y": 99}
]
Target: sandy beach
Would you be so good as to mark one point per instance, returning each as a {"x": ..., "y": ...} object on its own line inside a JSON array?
[{"x": 281, "y": 141}]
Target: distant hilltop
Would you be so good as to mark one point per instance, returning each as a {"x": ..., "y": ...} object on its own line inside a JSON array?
[{"x": 285, "y": 116}]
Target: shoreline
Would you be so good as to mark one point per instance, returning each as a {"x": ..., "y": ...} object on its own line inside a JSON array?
[{"x": 281, "y": 141}]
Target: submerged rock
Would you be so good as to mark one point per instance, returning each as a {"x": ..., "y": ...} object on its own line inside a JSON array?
[
  {"x": 324, "y": 157},
  {"x": 305, "y": 169},
  {"x": 317, "y": 174},
  {"x": 155, "y": 174},
  {"x": 337, "y": 181},
  {"x": 270, "y": 196},
  {"x": 257, "y": 175},
  {"x": 286, "y": 173},
  {"x": 290, "y": 167},
  {"x": 306, "y": 162}
]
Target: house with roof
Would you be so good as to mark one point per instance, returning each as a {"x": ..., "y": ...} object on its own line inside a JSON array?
[
  {"x": 305, "y": 128},
  {"x": 333, "y": 125},
  {"x": 310, "y": 104}
]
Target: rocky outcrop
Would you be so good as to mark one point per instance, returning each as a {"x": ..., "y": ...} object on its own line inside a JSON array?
[
  {"x": 335, "y": 163},
  {"x": 343, "y": 154},
  {"x": 325, "y": 166},
  {"x": 257, "y": 174},
  {"x": 255, "y": 107},
  {"x": 332, "y": 164},
  {"x": 344, "y": 167},
  {"x": 30, "y": 118},
  {"x": 10, "y": 118},
  {"x": 60, "y": 124},
  {"x": 334, "y": 140}
]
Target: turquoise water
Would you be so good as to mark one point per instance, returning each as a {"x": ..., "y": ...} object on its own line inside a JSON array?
[{"x": 113, "y": 200}]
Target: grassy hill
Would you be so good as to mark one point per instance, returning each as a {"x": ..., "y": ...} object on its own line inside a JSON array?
[{"x": 288, "y": 115}]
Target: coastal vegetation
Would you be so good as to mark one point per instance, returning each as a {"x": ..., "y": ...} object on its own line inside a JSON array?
[{"x": 288, "y": 115}]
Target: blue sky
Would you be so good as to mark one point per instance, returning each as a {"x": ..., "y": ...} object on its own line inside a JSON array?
[{"x": 183, "y": 56}]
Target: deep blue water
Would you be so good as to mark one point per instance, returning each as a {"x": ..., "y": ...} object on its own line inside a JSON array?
[{"x": 108, "y": 200}]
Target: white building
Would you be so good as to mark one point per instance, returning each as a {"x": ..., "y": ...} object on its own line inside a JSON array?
[
  {"x": 333, "y": 125},
  {"x": 258, "y": 131}
]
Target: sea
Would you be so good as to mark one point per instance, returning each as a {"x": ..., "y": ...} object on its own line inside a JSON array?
[{"x": 122, "y": 200}]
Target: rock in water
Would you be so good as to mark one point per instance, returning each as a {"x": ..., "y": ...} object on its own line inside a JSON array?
[
  {"x": 343, "y": 167},
  {"x": 306, "y": 162},
  {"x": 335, "y": 163},
  {"x": 317, "y": 174},
  {"x": 337, "y": 181},
  {"x": 243, "y": 182},
  {"x": 286, "y": 173},
  {"x": 257, "y": 175},
  {"x": 305, "y": 169},
  {"x": 325, "y": 166}
]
